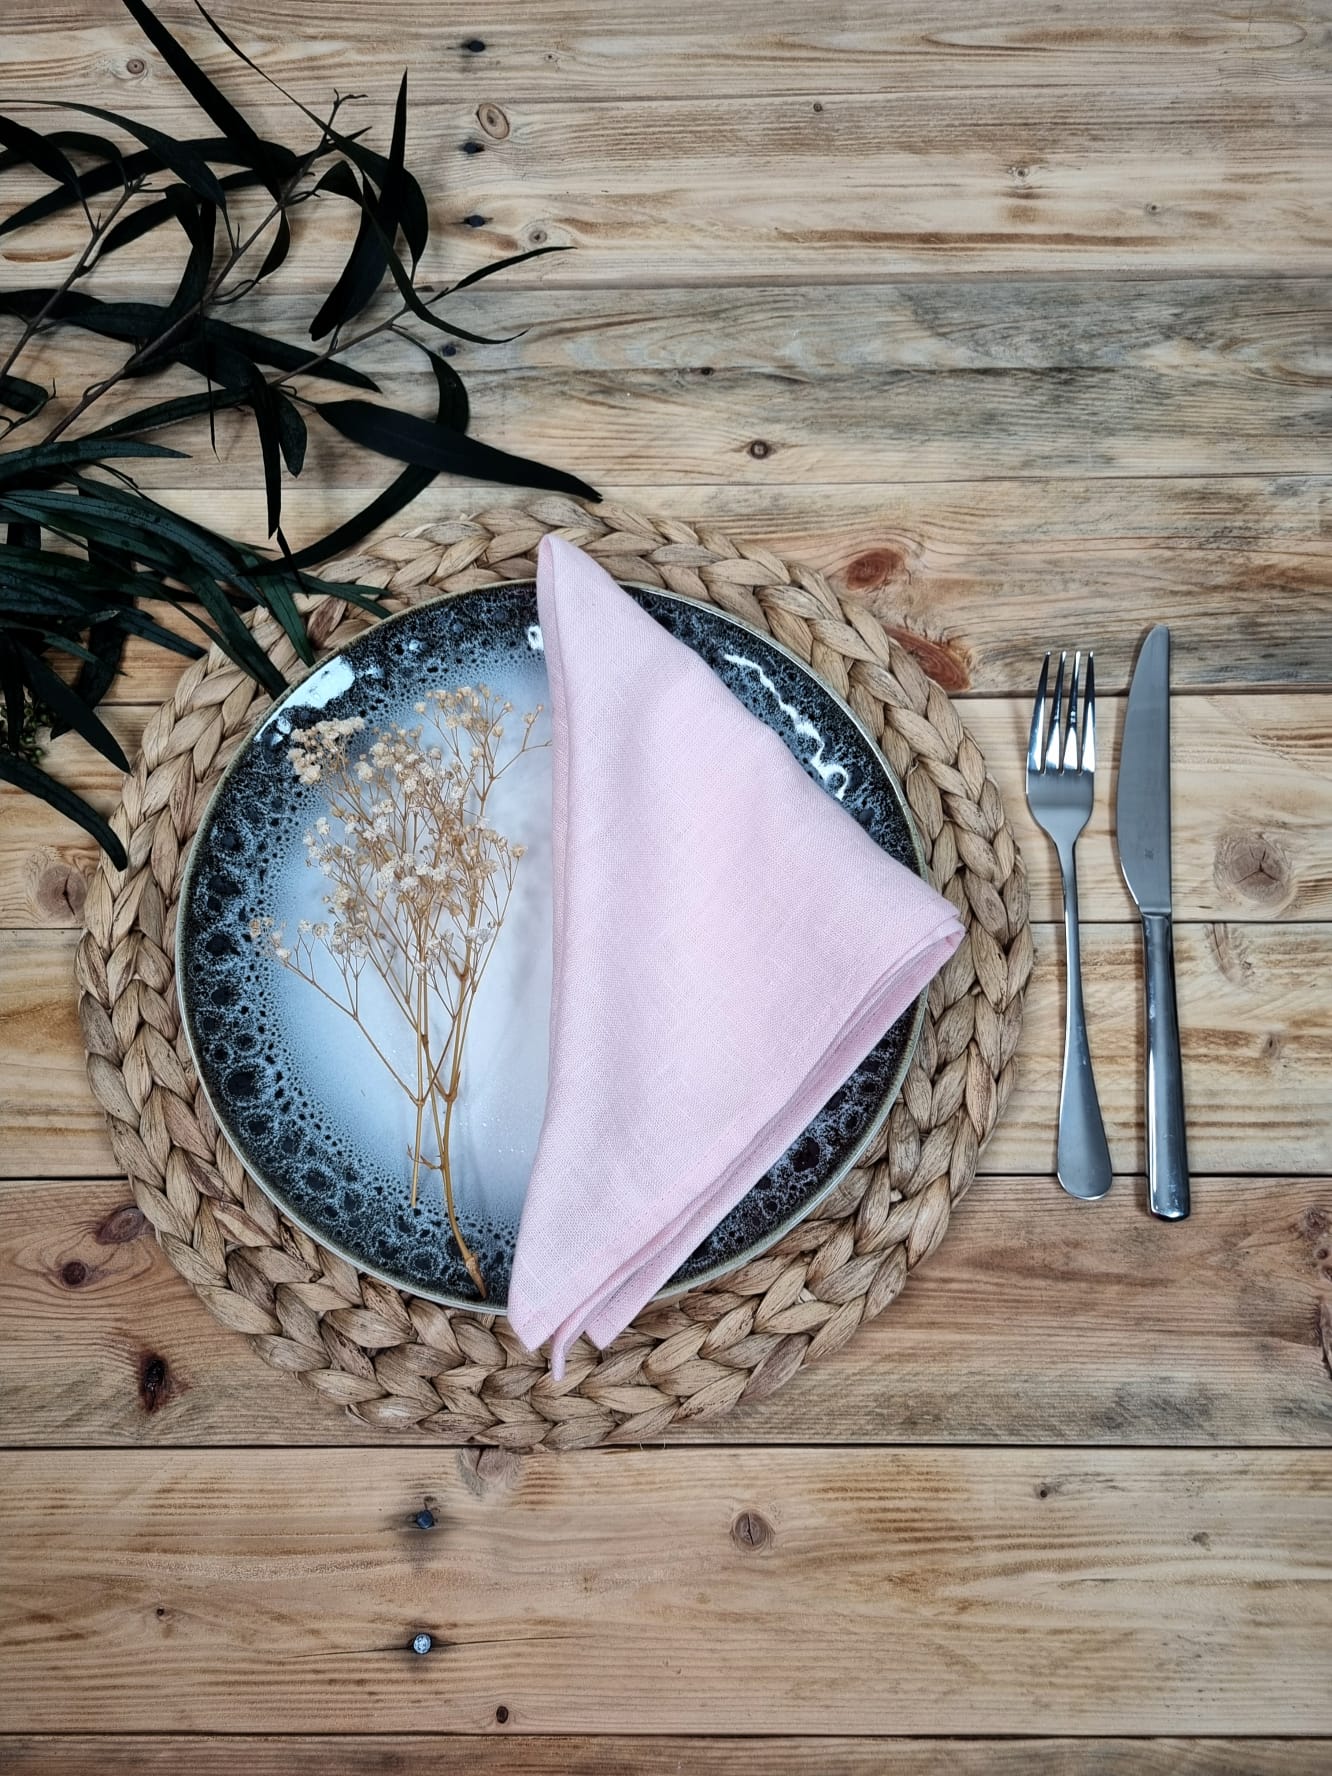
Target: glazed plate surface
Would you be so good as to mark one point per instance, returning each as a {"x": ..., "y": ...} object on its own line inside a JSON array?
[{"x": 296, "y": 1085}]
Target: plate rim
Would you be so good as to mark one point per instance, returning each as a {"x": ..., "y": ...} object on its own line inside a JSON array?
[{"x": 724, "y": 1267}]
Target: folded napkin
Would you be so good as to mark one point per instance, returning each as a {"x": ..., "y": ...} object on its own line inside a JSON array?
[{"x": 729, "y": 946}]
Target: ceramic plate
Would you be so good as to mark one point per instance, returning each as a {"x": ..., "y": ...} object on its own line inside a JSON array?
[{"x": 295, "y": 1084}]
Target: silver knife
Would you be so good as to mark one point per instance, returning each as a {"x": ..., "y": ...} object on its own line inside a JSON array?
[{"x": 1142, "y": 832}]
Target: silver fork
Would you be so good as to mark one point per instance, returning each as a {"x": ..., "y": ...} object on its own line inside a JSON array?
[{"x": 1061, "y": 782}]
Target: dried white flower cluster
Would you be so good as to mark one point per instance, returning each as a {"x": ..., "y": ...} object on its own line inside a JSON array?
[{"x": 419, "y": 882}]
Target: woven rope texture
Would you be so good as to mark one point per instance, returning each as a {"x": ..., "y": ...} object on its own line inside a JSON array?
[{"x": 394, "y": 1360}]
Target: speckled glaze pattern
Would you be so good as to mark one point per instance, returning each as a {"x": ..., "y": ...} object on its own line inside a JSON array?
[{"x": 262, "y": 1040}]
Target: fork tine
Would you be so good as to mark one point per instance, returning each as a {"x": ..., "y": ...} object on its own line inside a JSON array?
[
  {"x": 1035, "y": 752},
  {"x": 1071, "y": 740},
  {"x": 1053, "y": 752},
  {"x": 1089, "y": 722}
]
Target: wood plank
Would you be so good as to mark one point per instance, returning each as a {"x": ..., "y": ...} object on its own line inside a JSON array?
[
  {"x": 1251, "y": 842},
  {"x": 82, "y": 48},
  {"x": 501, "y": 1753},
  {"x": 1256, "y": 1029},
  {"x": 639, "y": 427},
  {"x": 1019, "y": 179},
  {"x": 981, "y": 578},
  {"x": 1036, "y": 1321},
  {"x": 942, "y": 1591},
  {"x": 1200, "y": 331}
]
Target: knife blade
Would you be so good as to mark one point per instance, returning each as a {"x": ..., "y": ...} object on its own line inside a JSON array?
[
  {"x": 1142, "y": 802},
  {"x": 1142, "y": 834}
]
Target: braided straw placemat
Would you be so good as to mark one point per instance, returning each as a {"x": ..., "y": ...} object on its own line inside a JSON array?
[{"x": 394, "y": 1360}]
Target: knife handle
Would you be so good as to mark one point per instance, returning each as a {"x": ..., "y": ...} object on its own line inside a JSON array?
[{"x": 1167, "y": 1151}]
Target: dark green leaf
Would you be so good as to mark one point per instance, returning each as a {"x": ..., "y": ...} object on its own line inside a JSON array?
[
  {"x": 133, "y": 523},
  {"x": 94, "y": 183},
  {"x": 113, "y": 320},
  {"x": 414, "y": 211},
  {"x": 264, "y": 407},
  {"x": 106, "y": 639},
  {"x": 24, "y": 534},
  {"x": 41, "y": 152},
  {"x": 362, "y": 274},
  {"x": 23, "y": 396},
  {"x": 279, "y": 593},
  {"x": 54, "y": 694},
  {"x": 137, "y": 322},
  {"x": 202, "y": 560},
  {"x": 401, "y": 491},
  {"x": 169, "y": 412},
  {"x": 278, "y": 355},
  {"x": 485, "y": 271},
  {"x": 366, "y": 598},
  {"x": 292, "y": 434},
  {"x": 378, "y": 230},
  {"x": 97, "y": 181},
  {"x": 65, "y": 644},
  {"x": 135, "y": 622},
  {"x": 180, "y": 158},
  {"x": 277, "y": 253},
  {"x": 408, "y": 438},
  {"x": 11, "y": 682},
  {"x": 106, "y": 642},
  {"x": 235, "y": 637},
  {"x": 170, "y": 207},
  {"x": 34, "y": 781},
  {"x": 422, "y": 310},
  {"x": 42, "y": 598},
  {"x": 80, "y": 140},
  {"x": 202, "y": 90},
  {"x": 199, "y": 226},
  {"x": 454, "y": 409},
  {"x": 40, "y": 459}
]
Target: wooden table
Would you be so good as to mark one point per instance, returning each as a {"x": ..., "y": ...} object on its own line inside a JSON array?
[{"x": 1016, "y": 321}]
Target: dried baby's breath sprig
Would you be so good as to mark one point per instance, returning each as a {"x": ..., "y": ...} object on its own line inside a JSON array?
[{"x": 418, "y": 885}]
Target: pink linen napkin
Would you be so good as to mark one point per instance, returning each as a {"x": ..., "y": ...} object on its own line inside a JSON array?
[{"x": 729, "y": 946}]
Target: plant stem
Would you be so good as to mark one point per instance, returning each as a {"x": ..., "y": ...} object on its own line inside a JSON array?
[
  {"x": 442, "y": 1138},
  {"x": 81, "y": 264},
  {"x": 149, "y": 346}
]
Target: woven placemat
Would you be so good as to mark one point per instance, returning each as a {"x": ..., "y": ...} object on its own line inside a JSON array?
[{"x": 395, "y": 1360}]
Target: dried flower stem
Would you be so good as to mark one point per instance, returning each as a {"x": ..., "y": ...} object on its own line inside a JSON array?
[{"x": 419, "y": 887}]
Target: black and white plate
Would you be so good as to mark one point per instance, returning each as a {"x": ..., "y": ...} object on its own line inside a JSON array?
[{"x": 296, "y": 1086}]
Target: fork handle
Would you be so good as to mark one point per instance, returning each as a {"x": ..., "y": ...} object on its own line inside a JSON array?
[
  {"x": 1083, "y": 1157},
  {"x": 1167, "y": 1149}
]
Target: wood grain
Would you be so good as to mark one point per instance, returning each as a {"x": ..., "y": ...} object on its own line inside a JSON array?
[
  {"x": 1266, "y": 330},
  {"x": 1020, "y": 1590},
  {"x": 852, "y": 187},
  {"x": 977, "y": 579},
  {"x": 553, "y": 48},
  {"x": 1256, "y": 1024},
  {"x": 1254, "y": 845},
  {"x": 1015, "y": 321},
  {"x": 1036, "y": 1321},
  {"x": 902, "y": 383},
  {"x": 864, "y": 428},
  {"x": 502, "y": 1753}
]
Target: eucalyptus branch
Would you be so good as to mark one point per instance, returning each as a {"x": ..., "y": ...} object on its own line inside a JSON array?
[
  {"x": 67, "y": 536},
  {"x": 152, "y": 348}
]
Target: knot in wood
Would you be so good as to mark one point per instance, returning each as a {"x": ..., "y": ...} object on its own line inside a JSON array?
[{"x": 751, "y": 1532}]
